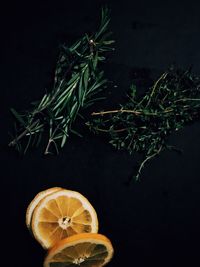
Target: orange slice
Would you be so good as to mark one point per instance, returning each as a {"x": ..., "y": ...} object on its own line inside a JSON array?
[
  {"x": 35, "y": 201},
  {"x": 86, "y": 250},
  {"x": 62, "y": 214}
]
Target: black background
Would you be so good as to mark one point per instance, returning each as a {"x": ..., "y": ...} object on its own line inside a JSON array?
[{"x": 151, "y": 223}]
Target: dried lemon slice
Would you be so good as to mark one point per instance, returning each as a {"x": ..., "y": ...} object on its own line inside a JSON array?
[
  {"x": 62, "y": 214},
  {"x": 35, "y": 201},
  {"x": 86, "y": 250}
]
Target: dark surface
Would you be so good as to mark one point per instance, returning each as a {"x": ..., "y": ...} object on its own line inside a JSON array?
[{"x": 152, "y": 223}]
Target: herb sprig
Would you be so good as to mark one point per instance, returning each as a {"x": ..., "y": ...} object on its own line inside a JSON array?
[
  {"x": 77, "y": 80},
  {"x": 145, "y": 122}
]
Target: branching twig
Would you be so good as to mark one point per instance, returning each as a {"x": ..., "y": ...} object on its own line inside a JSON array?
[{"x": 147, "y": 121}]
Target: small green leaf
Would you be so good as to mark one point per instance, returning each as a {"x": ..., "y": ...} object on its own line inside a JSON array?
[
  {"x": 108, "y": 42},
  {"x": 133, "y": 90},
  {"x": 64, "y": 138},
  {"x": 28, "y": 144},
  {"x": 86, "y": 78},
  {"x": 76, "y": 133},
  {"x": 80, "y": 90},
  {"x": 95, "y": 61},
  {"x": 17, "y": 116},
  {"x": 75, "y": 45}
]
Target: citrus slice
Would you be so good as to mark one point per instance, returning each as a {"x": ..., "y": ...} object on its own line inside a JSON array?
[
  {"x": 61, "y": 214},
  {"x": 35, "y": 201},
  {"x": 86, "y": 250}
]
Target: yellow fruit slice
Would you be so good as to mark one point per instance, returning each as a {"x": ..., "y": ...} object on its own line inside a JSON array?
[
  {"x": 62, "y": 214},
  {"x": 86, "y": 250},
  {"x": 35, "y": 201}
]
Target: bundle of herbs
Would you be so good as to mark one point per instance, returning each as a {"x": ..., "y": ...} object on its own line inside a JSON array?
[
  {"x": 144, "y": 123},
  {"x": 77, "y": 80}
]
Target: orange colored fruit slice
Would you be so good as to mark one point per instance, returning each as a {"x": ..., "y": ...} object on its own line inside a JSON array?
[
  {"x": 86, "y": 250},
  {"x": 62, "y": 214},
  {"x": 35, "y": 201}
]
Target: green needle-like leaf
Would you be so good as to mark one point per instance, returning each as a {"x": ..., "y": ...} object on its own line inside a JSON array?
[
  {"x": 77, "y": 80},
  {"x": 17, "y": 116}
]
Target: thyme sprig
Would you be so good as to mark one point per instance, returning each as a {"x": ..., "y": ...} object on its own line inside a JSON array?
[
  {"x": 77, "y": 80},
  {"x": 144, "y": 123}
]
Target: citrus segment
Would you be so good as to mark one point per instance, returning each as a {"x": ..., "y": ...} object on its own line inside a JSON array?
[
  {"x": 62, "y": 214},
  {"x": 35, "y": 202},
  {"x": 86, "y": 250}
]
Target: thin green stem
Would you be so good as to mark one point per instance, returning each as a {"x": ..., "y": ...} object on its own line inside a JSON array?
[
  {"x": 162, "y": 77},
  {"x": 24, "y": 133},
  {"x": 145, "y": 161}
]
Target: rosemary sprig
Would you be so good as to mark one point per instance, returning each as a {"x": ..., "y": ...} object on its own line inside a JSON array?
[
  {"x": 77, "y": 80},
  {"x": 145, "y": 122}
]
